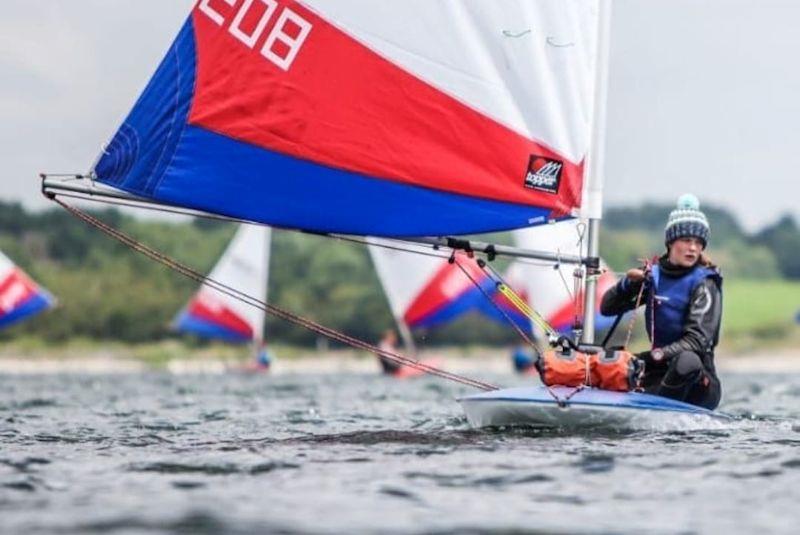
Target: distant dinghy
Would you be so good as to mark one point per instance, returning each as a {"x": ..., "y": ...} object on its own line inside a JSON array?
[
  {"x": 20, "y": 296},
  {"x": 425, "y": 291},
  {"x": 244, "y": 266}
]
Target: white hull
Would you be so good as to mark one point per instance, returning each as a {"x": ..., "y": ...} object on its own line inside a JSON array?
[{"x": 585, "y": 410}]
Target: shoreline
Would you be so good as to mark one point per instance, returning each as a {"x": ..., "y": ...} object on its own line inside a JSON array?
[{"x": 472, "y": 360}]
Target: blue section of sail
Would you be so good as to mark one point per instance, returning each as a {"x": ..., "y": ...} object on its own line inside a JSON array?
[
  {"x": 141, "y": 151},
  {"x": 601, "y": 323},
  {"x": 34, "y": 305},
  {"x": 156, "y": 154},
  {"x": 489, "y": 309},
  {"x": 301, "y": 194},
  {"x": 462, "y": 304},
  {"x": 190, "y": 324}
]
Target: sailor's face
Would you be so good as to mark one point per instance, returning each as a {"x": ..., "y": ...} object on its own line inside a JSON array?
[{"x": 685, "y": 252}]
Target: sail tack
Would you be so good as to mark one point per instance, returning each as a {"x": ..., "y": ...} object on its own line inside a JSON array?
[
  {"x": 20, "y": 297},
  {"x": 376, "y": 118},
  {"x": 244, "y": 266}
]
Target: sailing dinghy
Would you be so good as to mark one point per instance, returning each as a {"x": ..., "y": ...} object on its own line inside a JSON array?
[
  {"x": 419, "y": 120},
  {"x": 425, "y": 290},
  {"x": 244, "y": 265},
  {"x": 20, "y": 296},
  {"x": 586, "y": 408}
]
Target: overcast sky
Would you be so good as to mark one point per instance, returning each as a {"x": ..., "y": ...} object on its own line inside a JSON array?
[{"x": 704, "y": 95}]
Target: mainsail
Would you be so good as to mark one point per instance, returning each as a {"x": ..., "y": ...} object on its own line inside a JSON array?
[
  {"x": 20, "y": 297},
  {"x": 379, "y": 118},
  {"x": 245, "y": 266},
  {"x": 414, "y": 119}
]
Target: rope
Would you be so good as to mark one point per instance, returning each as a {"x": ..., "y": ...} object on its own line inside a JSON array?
[
  {"x": 632, "y": 322},
  {"x": 516, "y": 327},
  {"x": 520, "y": 303},
  {"x": 268, "y": 308}
]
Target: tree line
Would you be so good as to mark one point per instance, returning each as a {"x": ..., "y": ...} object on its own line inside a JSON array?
[{"x": 108, "y": 292}]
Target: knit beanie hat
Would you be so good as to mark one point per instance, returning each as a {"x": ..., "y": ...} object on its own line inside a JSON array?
[{"x": 687, "y": 220}]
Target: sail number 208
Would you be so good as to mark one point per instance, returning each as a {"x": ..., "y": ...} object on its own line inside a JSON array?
[{"x": 284, "y": 39}]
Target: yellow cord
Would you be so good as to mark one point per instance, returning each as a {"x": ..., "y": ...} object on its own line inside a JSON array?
[{"x": 523, "y": 307}]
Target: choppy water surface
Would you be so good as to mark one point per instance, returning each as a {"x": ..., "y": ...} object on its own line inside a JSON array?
[{"x": 236, "y": 453}]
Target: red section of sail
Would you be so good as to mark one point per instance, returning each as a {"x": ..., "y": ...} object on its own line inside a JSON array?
[
  {"x": 445, "y": 287},
  {"x": 218, "y": 314},
  {"x": 342, "y": 105},
  {"x": 15, "y": 289}
]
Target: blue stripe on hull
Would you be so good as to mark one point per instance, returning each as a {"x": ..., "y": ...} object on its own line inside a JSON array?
[{"x": 593, "y": 397}]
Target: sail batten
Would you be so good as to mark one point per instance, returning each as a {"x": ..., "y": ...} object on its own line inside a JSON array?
[{"x": 437, "y": 118}]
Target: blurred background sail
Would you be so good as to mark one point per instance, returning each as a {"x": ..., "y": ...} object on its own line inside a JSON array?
[
  {"x": 20, "y": 296},
  {"x": 243, "y": 266}
]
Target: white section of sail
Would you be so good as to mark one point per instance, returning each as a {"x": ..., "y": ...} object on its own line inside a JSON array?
[
  {"x": 592, "y": 206},
  {"x": 6, "y": 265},
  {"x": 528, "y": 64},
  {"x": 243, "y": 266},
  {"x": 549, "y": 287},
  {"x": 403, "y": 274}
]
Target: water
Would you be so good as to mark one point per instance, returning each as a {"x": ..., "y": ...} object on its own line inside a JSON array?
[{"x": 159, "y": 453}]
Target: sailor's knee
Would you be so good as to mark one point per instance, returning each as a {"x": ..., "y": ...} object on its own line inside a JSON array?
[{"x": 688, "y": 363}]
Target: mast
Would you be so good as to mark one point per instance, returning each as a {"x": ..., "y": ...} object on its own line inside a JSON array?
[
  {"x": 405, "y": 334},
  {"x": 593, "y": 193},
  {"x": 258, "y": 333}
]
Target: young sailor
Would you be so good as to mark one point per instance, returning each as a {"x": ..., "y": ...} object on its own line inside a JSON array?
[
  {"x": 683, "y": 296},
  {"x": 388, "y": 343}
]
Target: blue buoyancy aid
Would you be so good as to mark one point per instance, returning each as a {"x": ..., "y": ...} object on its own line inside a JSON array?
[{"x": 671, "y": 297}]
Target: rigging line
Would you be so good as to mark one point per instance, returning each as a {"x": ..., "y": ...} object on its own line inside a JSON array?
[
  {"x": 70, "y": 176},
  {"x": 532, "y": 314},
  {"x": 353, "y": 239},
  {"x": 271, "y": 309},
  {"x": 632, "y": 321},
  {"x": 557, "y": 267},
  {"x": 153, "y": 207},
  {"x": 192, "y": 213},
  {"x": 492, "y": 301},
  {"x": 532, "y": 262}
]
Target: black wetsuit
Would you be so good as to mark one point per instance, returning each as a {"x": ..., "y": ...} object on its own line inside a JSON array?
[
  {"x": 388, "y": 367},
  {"x": 686, "y": 372}
]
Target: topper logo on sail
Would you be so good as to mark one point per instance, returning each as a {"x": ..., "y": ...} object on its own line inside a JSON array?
[
  {"x": 284, "y": 39},
  {"x": 543, "y": 174}
]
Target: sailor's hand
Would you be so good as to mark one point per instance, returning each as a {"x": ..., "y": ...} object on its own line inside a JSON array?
[
  {"x": 651, "y": 357},
  {"x": 635, "y": 275}
]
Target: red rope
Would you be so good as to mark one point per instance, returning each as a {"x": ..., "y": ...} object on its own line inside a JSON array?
[{"x": 268, "y": 308}]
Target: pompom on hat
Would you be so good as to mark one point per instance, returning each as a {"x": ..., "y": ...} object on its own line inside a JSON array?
[{"x": 686, "y": 220}]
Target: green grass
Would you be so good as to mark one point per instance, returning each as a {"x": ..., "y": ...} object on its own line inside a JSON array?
[{"x": 760, "y": 309}]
